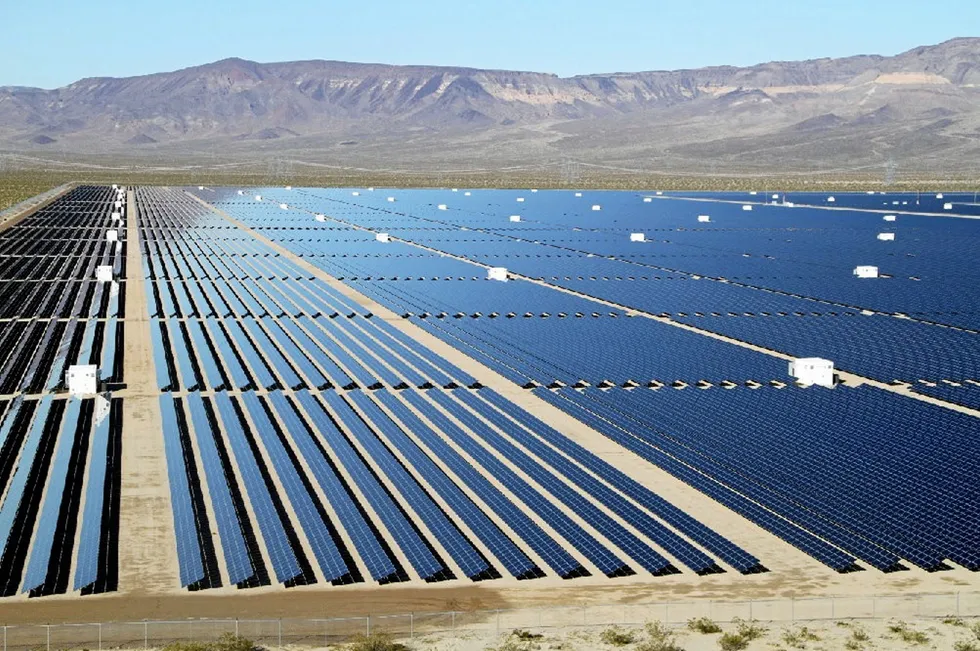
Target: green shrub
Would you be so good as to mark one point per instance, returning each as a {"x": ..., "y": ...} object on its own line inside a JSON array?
[
  {"x": 953, "y": 620},
  {"x": 379, "y": 641},
  {"x": 732, "y": 642},
  {"x": 227, "y": 642},
  {"x": 966, "y": 645},
  {"x": 750, "y": 630},
  {"x": 525, "y": 636},
  {"x": 859, "y": 635},
  {"x": 703, "y": 625},
  {"x": 908, "y": 635},
  {"x": 659, "y": 638},
  {"x": 798, "y": 638},
  {"x": 617, "y": 637}
]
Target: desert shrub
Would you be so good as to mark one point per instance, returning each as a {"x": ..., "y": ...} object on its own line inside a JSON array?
[
  {"x": 703, "y": 625},
  {"x": 749, "y": 629},
  {"x": 659, "y": 638},
  {"x": 731, "y": 641},
  {"x": 966, "y": 645},
  {"x": 525, "y": 636},
  {"x": 908, "y": 635},
  {"x": 616, "y": 636},
  {"x": 799, "y": 637},
  {"x": 379, "y": 641},
  {"x": 227, "y": 642}
]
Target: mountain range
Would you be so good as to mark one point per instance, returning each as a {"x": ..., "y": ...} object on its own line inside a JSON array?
[{"x": 916, "y": 110}]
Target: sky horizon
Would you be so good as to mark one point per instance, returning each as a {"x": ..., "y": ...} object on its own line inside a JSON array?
[{"x": 109, "y": 38}]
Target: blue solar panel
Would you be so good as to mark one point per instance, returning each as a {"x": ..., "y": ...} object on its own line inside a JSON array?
[
  {"x": 352, "y": 518},
  {"x": 450, "y": 537},
  {"x": 295, "y": 354},
  {"x": 311, "y": 517},
  {"x": 516, "y": 562},
  {"x": 44, "y": 537},
  {"x": 107, "y": 364},
  {"x": 282, "y": 555},
  {"x": 185, "y": 528},
  {"x": 417, "y": 551},
  {"x": 182, "y": 355},
  {"x": 338, "y": 377},
  {"x": 687, "y": 525},
  {"x": 259, "y": 370},
  {"x": 87, "y": 566},
  {"x": 628, "y": 511},
  {"x": 208, "y": 362},
  {"x": 237, "y": 554},
  {"x": 354, "y": 368},
  {"x": 237, "y": 373},
  {"x": 605, "y": 560}
]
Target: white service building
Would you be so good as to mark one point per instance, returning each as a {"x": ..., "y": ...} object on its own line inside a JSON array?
[
  {"x": 810, "y": 371},
  {"x": 82, "y": 379},
  {"x": 866, "y": 271}
]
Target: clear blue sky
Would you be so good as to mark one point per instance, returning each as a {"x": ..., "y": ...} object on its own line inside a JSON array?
[{"x": 50, "y": 43}]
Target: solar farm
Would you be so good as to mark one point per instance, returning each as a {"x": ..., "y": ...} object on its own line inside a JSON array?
[{"x": 332, "y": 391}]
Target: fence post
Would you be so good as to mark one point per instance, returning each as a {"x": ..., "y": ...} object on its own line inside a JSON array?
[
  {"x": 411, "y": 621},
  {"x": 100, "y": 636},
  {"x": 367, "y": 625},
  {"x": 48, "y": 627},
  {"x": 280, "y": 632},
  {"x": 146, "y": 635},
  {"x": 236, "y": 627},
  {"x": 751, "y": 602},
  {"x": 5, "y": 635},
  {"x": 454, "y": 623}
]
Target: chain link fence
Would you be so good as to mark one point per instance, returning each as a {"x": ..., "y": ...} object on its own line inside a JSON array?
[{"x": 313, "y": 633}]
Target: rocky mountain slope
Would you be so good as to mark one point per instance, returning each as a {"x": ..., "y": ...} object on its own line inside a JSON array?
[{"x": 919, "y": 107}]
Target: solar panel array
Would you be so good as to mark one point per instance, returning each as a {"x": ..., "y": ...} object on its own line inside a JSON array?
[
  {"x": 324, "y": 445},
  {"x": 604, "y": 326},
  {"x": 312, "y": 437},
  {"x": 60, "y": 457}
]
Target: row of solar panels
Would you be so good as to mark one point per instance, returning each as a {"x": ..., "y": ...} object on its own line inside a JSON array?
[
  {"x": 392, "y": 466},
  {"x": 879, "y": 477},
  {"x": 59, "y": 481},
  {"x": 392, "y": 486},
  {"x": 935, "y": 255},
  {"x": 61, "y": 300},
  {"x": 34, "y": 355},
  {"x": 591, "y": 351},
  {"x": 302, "y": 352},
  {"x": 870, "y": 347},
  {"x": 836, "y": 536}
]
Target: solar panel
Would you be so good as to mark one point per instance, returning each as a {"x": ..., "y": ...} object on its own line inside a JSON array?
[
  {"x": 185, "y": 527},
  {"x": 265, "y": 504},
  {"x": 449, "y": 536},
  {"x": 238, "y": 557},
  {"x": 418, "y": 552},
  {"x": 309, "y": 513},
  {"x": 37, "y": 568},
  {"x": 89, "y": 546}
]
